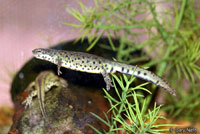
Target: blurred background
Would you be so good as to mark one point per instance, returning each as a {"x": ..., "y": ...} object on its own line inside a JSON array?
[{"x": 166, "y": 33}]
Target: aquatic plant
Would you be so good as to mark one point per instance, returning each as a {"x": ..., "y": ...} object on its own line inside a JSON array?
[{"x": 129, "y": 113}]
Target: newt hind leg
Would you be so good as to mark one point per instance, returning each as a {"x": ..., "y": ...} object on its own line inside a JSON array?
[{"x": 107, "y": 80}]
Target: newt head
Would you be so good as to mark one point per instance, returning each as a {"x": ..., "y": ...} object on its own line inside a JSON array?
[{"x": 44, "y": 54}]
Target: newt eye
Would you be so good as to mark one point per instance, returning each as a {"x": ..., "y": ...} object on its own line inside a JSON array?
[{"x": 36, "y": 51}]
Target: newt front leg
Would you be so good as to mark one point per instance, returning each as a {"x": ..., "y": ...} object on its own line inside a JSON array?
[{"x": 59, "y": 64}]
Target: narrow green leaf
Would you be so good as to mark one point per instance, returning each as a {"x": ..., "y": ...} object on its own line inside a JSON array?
[{"x": 99, "y": 118}]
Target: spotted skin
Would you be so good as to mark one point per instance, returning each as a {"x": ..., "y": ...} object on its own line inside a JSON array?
[{"x": 89, "y": 63}]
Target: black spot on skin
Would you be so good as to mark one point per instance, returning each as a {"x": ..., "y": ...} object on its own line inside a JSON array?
[
  {"x": 90, "y": 66},
  {"x": 78, "y": 58},
  {"x": 138, "y": 72},
  {"x": 145, "y": 73},
  {"x": 93, "y": 62},
  {"x": 157, "y": 81},
  {"x": 83, "y": 57},
  {"x": 76, "y": 66},
  {"x": 72, "y": 60},
  {"x": 82, "y": 68},
  {"x": 65, "y": 63},
  {"x": 48, "y": 58},
  {"x": 88, "y": 61},
  {"x": 98, "y": 68},
  {"x": 106, "y": 65},
  {"x": 85, "y": 66},
  {"x": 80, "y": 65},
  {"x": 99, "y": 62},
  {"x": 127, "y": 70},
  {"x": 82, "y": 61},
  {"x": 122, "y": 69},
  {"x": 111, "y": 70}
]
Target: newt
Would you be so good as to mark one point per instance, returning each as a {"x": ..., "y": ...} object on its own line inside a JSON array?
[
  {"x": 43, "y": 83},
  {"x": 90, "y": 63}
]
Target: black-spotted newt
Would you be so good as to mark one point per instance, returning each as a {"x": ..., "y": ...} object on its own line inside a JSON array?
[{"x": 94, "y": 64}]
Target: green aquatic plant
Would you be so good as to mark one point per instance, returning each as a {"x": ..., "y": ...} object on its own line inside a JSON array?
[
  {"x": 169, "y": 32},
  {"x": 128, "y": 111}
]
